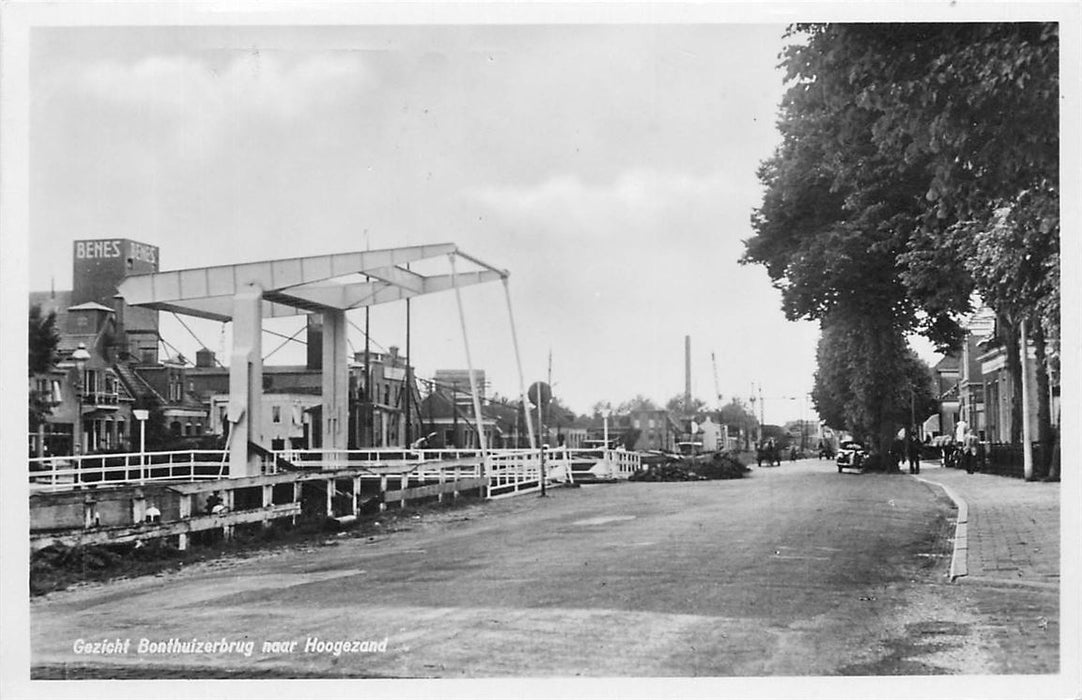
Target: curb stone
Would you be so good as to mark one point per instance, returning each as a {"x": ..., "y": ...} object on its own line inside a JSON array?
[{"x": 959, "y": 566}]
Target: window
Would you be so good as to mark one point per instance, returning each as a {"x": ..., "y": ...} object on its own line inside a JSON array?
[{"x": 276, "y": 414}]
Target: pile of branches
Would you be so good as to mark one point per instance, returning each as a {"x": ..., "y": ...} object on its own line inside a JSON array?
[{"x": 721, "y": 465}]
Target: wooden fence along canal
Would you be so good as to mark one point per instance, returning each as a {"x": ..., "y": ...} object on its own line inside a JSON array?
[{"x": 134, "y": 497}]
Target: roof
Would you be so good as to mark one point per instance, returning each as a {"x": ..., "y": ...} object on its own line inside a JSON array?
[
  {"x": 136, "y": 385},
  {"x": 91, "y": 306},
  {"x": 949, "y": 362}
]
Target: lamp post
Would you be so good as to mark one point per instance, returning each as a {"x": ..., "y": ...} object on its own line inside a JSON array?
[
  {"x": 81, "y": 356},
  {"x": 605, "y": 415},
  {"x": 141, "y": 415}
]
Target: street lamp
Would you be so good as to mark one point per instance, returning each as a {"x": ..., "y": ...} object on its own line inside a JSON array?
[
  {"x": 606, "y": 413},
  {"x": 141, "y": 415},
  {"x": 81, "y": 357}
]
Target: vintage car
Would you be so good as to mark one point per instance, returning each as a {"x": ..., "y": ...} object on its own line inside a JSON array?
[{"x": 851, "y": 455}]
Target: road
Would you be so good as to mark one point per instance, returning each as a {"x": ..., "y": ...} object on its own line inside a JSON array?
[{"x": 795, "y": 570}]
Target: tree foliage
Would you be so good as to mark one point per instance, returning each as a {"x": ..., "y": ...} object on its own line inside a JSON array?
[
  {"x": 639, "y": 403},
  {"x": 869, "y": 382},
  {"x": 738, "y": 416},
  {"x": 919, "y": 163},
  {"x": 43, "y": 339},
  {"x": 677, "y": 404}
]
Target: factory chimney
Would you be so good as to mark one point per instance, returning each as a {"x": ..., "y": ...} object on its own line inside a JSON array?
[{"x": 687, "y": 373}]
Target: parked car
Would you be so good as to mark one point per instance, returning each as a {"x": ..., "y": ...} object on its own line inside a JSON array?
[{"x": 851, "y": 455}]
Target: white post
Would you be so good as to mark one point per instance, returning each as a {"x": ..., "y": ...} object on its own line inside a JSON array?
[
  {"x": 518, "y": 362},
  {"x": 469, "y": 366},
  {"x": 335, "y": 385},
  {"x": 1027, "y": 438},
  {"x": 246, "y": 381}
]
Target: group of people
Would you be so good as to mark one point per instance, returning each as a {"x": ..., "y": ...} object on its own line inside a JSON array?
[
  {"x": 769, "y": 452},
  {"x": 907, "y": 451},
  {"x": 966, "y": 451}
]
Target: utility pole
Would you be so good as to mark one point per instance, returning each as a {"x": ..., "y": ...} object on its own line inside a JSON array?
[
  {"x": 454, "y": 414},
  {"x": 409, "y": 432},
  {"x": 366, "y": 406},
  {"x": 762, "y": 413},
  {"x": 717, "y": 385},
  {"x": 548, "y": 406}
]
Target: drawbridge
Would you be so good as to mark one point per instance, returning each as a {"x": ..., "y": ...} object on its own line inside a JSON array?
[
  {"x": 330, "y": 285},
  {"x": 131, "y": 497}
]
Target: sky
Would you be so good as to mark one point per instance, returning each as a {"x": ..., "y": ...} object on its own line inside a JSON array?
[{"x": 610, "y": 168}]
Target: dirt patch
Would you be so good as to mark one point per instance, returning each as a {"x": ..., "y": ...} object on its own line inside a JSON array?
[
  {"x": 75, "y": 672},
  {"x": 58, "y": 567}
]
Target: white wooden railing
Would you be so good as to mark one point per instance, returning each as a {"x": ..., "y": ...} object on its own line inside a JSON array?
[
  {"x": 509, "y": 471},
  {"x": 55, "y": 473}
]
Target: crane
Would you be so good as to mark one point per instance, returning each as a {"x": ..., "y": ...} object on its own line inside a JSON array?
[{"x": 717, "y": 386}]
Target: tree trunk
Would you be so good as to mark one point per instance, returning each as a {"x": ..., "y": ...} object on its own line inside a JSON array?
[
  {"x": 1044, "y": 407},
  {"x": 1014, "y": 368}
]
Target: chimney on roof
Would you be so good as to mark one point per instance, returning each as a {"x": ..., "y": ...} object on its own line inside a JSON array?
[
  {"x": 315, "y": 341},
  {"x": 121, "y": 341},
  {"x": 204, "y": 358},
  {"x": 687, "y": 373}
]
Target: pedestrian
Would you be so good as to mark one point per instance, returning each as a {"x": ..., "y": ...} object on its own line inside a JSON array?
[
  {"x": 895, "y": 454},
  {"x": 969, "y": 452},
  {"x": 914, "y": 454}
]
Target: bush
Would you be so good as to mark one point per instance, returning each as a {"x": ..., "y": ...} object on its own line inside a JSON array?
[{"x": 722, "y": 465}]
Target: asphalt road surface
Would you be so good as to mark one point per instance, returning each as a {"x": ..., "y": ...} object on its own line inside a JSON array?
[{"x": 795, "y": 570}]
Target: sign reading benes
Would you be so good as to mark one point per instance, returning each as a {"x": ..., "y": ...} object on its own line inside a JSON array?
[{"x": 86, "y": 250}]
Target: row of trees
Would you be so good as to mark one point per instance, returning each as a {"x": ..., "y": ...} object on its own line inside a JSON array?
[
  {"x": 918, "y": 170},
  {"x": 736, "y": 414}
]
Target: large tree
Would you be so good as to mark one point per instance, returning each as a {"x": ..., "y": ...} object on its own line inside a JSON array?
[
  {"x": 678, "y": 404},
  {"x": 639, "y": 403},
  {"x": 739, "y": 418},
  {"x": 870, "y": 382},
  {"x": 43, "y": 339},
  {"x": 911, "y": 153}
]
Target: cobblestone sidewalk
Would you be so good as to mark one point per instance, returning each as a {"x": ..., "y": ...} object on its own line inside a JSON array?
[
  {"x": 1010, "y": 565},
  {"x": 1013, "y": 525}
]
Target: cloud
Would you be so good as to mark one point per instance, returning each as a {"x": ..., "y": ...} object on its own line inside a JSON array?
[
  {"x": 638, "y": 200},
  {"x": 198, "y": 101}
]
